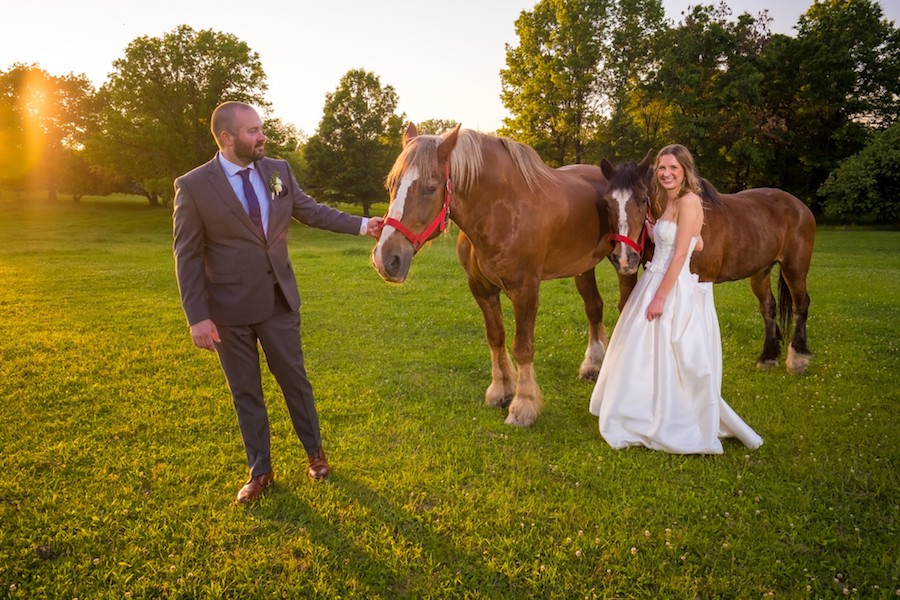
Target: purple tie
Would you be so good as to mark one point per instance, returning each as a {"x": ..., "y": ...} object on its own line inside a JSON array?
[{"x": 252, "y": 202}]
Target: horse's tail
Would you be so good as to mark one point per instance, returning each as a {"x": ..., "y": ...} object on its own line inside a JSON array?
[{"x": 785, "y": 306}]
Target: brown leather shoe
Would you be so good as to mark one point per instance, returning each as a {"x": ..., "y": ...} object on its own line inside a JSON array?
[
  {"x": 318, "y": 465},
  {"x": 254, "y": 488}
]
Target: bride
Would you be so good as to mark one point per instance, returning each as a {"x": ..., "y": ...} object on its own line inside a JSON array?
[{"x": 661, "y": 381}]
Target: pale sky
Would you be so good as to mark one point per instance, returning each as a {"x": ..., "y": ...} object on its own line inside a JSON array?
[{"x": 442, "y": 58}]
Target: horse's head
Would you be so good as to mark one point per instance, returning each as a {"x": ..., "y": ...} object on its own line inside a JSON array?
[
  {"x": 419, "y": 185},
  {"x": 628, "y": 200}
]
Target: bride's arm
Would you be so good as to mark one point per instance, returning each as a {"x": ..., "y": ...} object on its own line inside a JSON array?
[{"x": 690, "y": 220}]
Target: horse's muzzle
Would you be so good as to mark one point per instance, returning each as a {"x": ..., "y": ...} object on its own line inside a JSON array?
[
  {"x": 392, "y": 259},
  {"x": 626, "y": 261}
]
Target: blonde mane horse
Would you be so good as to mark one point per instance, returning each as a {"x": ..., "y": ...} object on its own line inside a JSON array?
[{"x": 520, "y": 223}]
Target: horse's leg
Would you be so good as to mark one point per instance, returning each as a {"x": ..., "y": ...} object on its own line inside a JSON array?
[
  {"x": 761, "y": 285},
  {"x": 586, "y": 284},
  {"x": 626, "y": 286},
  {"x": 793, "y": 278},
  {"x": 503, "y": 374},
  {"x": 527, "y": 403},
  {"x": 487, "y": 296}
]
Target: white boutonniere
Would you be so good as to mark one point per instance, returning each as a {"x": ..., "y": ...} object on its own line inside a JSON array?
[{"x": 275, "y": 185}]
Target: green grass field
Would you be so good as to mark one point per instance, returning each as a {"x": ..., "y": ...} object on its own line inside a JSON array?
[{"x": 121, "y": 455}]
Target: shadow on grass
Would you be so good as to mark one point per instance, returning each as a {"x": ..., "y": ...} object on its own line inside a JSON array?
[{"x": 429, "y": 560}]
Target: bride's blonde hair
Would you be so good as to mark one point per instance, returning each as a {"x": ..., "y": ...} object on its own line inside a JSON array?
[{"x": 691, "y": 181}]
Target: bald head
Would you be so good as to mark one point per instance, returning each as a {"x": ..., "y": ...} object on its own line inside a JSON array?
[
  {"x": 239, "y": 132},
  {"x": 226, "y": 117}
]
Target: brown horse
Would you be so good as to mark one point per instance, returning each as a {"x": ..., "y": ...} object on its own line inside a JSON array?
[
  {"x": 520, "y": 222},
  {"x": 744, "y": 235}
]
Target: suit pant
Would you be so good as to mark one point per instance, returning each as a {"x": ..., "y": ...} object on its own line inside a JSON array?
[{"x": 279, "y": 337}]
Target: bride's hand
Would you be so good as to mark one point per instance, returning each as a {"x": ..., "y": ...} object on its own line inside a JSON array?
[{"x": 655, "y": 309}]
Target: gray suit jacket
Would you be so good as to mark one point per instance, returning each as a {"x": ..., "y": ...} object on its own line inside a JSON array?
[{"x": 226, "y": 271}]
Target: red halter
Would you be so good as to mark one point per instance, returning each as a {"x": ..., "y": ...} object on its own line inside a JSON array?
[
  {"x": 639, "y": 248},
  {"x": 439, "y": 223}
]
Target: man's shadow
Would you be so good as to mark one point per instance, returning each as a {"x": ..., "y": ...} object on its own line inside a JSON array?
[{"x": 408, "y": 529}]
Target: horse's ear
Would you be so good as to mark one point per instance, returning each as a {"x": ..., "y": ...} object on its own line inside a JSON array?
[
  {"x": 447, "y": 144},
  {"x": 648, "y": 160},
  {"x": 410, "y": 133},
  {"x": 608, "y": 169}
]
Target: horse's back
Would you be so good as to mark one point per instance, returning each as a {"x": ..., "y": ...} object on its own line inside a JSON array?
[
  {"x": 555, "y": 229},
  {"x": 778, "y": 203},
  {"x": 579, "y": 239},
  {"x": 751, "y": 230}
]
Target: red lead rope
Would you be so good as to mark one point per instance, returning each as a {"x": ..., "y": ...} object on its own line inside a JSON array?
[{"x": 440, "y": 221}]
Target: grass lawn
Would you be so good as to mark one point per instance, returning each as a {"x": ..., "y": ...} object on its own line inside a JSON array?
[{"x": 121, "y": 454}]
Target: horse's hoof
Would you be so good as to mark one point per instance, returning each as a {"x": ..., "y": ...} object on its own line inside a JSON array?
[
  {"x": 593, "y": 358},
  {"x": 766, "y": 364},
  {"x": 496, "y": 399},
  {"x": 519, "y": 420},
  {"x": 796, "y": 363},
  {"x": 588, "y": 374},
  {"x": 501, "y": 402}
]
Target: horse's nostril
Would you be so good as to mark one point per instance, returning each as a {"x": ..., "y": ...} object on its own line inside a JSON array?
[{"x": 392, "y": 265}]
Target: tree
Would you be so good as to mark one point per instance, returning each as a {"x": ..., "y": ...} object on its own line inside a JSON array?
[
  {"x": 637, "y": 121},
  {"x": 43, "y": 119},
  {"x": 867, "y": 184},
  {"x": 435, "y": 126},
  {"x": 356, "y": 143},
  {"x": 286, "y": 142},
  {"x": 158, "y": 102},
  {"x": 847, "y": 82},
  {"x": 77, "y": 177},
  {"x": 551, "y": 82},
  {"x": 710, "y": 78}
]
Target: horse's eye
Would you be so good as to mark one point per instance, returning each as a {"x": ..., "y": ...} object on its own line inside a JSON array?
[{"x": 429, "y": 190}]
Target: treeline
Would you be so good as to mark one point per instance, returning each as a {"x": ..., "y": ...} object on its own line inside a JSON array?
[{"x": 815, "y": 114}]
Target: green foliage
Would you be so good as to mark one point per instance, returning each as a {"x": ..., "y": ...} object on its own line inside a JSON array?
[
  {"x": 157, "y": 104},
  {"x": 637, "y": 120},
  {"x": 551, "y": 82},
  {"x": 356, "y": 143},
  {"x": 710, "y": 76},
  {"x": 43, "y": 119},
  {"x": 122, "y": 455},
  {"x": 588, "y": 79},
  {"x": 868, "y": 183},
  {"x": 847, "y": 83},
  {"x": 435, "y": 126}
]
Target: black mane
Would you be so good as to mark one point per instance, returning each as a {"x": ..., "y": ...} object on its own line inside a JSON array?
[
  {"x": 708, "y": 193},
  {"x": 628, "y": 176}
]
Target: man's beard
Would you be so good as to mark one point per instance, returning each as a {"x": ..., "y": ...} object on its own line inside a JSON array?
[{"x": 248, "y": 153}]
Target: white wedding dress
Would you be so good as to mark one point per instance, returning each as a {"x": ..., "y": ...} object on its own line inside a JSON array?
[{"x": 661, "y": 381}]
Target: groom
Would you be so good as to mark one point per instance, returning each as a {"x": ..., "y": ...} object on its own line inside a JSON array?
[{"x": 237, "y": 283}]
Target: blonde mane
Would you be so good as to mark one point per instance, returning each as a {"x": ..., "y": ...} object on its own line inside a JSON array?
[{"x": 467, "y": 161}]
